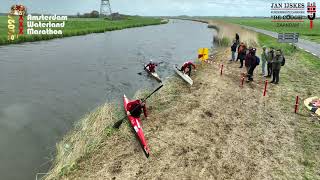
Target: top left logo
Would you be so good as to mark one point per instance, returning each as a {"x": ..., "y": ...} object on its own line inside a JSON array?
[{"x": 18, "y": 10}]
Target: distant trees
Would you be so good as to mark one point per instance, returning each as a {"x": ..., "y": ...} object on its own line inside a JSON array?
[
  {"x": 96, "y": 14},
  {"x": 92, "y": 14}
]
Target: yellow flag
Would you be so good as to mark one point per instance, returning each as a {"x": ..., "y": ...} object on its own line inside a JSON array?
[{"x": 203, "y": 54}]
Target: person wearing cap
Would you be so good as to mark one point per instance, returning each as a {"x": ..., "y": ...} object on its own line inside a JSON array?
[
  {"x": 264, "y": 60},
  {"x": 276, "y": 66},
  {"x": 270, "y": 56}
]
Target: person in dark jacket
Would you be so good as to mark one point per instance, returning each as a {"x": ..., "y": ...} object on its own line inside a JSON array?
[
  {"x": 251, "y": 63},
  {"x": 247, "y": 58},
  {"x": 233, "y": 50},
  {"x": 237, "y": 39},
  {"x": 270, "y": 57},
  {"x": 241, "y": 53},
  {"x": 276, "y": 66}
]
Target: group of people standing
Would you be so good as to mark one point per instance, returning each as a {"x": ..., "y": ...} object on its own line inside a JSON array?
[
  {"x": 274, "y": 60},
  {"x": 271, "y": 60}
]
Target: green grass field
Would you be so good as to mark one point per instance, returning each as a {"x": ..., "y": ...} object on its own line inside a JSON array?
[
  {"x": 300, "y": 78},
  {"x": 265, "y": 23},
  {"x": 77, "y": 26}
]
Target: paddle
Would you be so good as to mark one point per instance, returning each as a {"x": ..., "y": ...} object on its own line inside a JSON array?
[{"x": 118, "y": 123}]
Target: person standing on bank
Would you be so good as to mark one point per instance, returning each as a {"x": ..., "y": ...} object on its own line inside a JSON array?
[
  {"x": 252, "y": 61},
  {"x": 264, "y": 60},
  {"x": 242, "y": 50},
  {"x": 276, "y": 66},
  {"x": 270, "y": 57},
  {"x": 233, "y": 50},
  {"x": 237, "y": 39}
]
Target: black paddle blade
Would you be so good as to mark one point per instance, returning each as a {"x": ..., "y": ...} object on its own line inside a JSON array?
[
  {"x": 147, "y": 154},
  {"x": 140, "y": 73},
  {"x": 118, "y": 124}
]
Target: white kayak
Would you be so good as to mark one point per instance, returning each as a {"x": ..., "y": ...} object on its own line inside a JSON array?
[{"x": 183, "y": 75}]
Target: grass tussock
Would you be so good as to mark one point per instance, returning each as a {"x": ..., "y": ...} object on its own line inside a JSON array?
[
  {"x": 227, "y": 32},
  {"x": 86, "y": 137}
]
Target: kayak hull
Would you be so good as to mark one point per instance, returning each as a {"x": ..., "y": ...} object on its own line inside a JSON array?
[
  {"x": 312, "y": 108},
  {"x": 185, "y": 77},
  {"x": 154, "y": 75},
  {"x": 136, "y": 125}
]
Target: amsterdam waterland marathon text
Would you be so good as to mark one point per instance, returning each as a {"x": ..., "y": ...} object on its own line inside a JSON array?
[{"x": 35, "y": 24}]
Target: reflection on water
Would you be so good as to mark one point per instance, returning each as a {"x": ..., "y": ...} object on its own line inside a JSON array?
[{"x": 46, "y": 86}]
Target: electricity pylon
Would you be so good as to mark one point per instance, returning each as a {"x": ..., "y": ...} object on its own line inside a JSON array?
[{"x": 105, "y": 8}]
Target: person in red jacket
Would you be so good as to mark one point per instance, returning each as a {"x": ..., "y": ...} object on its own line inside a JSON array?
[
  {"x": 187, "y": 67},
  {"x": 151, "y": 66},
  {"x": 135, "y": 108},
  {"x": 242, "y": 49}
]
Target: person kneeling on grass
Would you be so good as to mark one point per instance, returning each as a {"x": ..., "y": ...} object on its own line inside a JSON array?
[
  {"x": 187, "y": 67},
  {"x": 276, "y": 66},
  {"x": 135, "y": 108}
]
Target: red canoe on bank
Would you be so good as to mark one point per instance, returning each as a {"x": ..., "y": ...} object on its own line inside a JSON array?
[{"x": 136, "y": 125}]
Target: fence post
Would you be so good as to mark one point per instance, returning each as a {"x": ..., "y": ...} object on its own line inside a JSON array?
[
  {"x": 242, "y": 81},
  {"x": 265, "y": 88},
  {"x": 221, "y": 70},
  {"x": 296, "y": 105}
]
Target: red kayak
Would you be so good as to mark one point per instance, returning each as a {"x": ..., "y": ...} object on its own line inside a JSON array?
[{"x": 136, "y": 124}]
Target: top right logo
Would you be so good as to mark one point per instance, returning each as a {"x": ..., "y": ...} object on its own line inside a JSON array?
[{"x": 311, "y": 9}]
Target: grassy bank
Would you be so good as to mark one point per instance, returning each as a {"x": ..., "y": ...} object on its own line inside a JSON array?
[
  {"x": 300, "y": 77},
  {"x": 212, "y": 130},
  {"x": 93, "y": 133},
  {"x": 78, "y": 26}
]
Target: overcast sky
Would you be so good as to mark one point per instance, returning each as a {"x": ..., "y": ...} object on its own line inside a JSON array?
[{"x": 151, "y": 7}]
